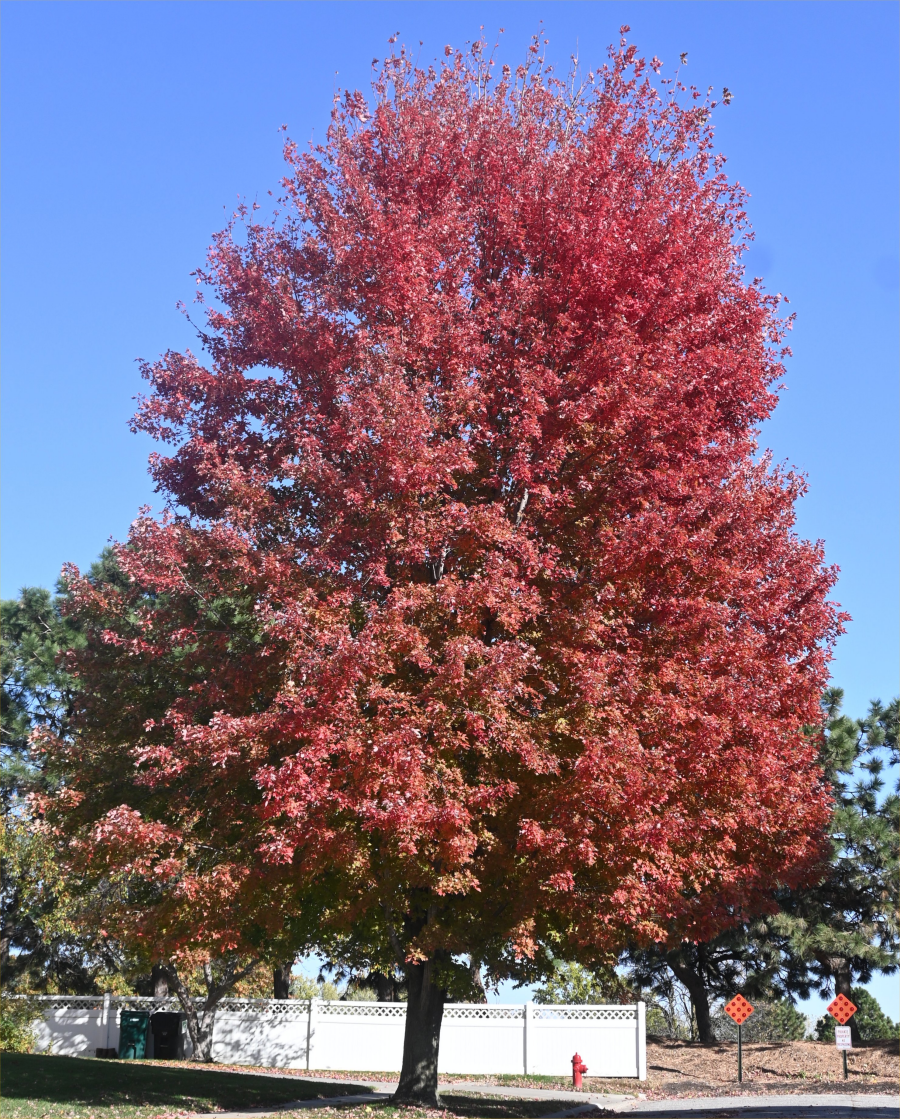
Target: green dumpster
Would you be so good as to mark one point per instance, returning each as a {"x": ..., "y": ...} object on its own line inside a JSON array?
[{"x": 133, "y": 1027}]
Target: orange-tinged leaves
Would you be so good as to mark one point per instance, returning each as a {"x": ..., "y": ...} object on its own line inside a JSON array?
[{"x": 473, "y": 585}]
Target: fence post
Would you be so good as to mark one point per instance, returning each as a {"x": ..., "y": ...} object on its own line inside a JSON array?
[
  {"x": 312, "y": 1023},
  {"x": 104, "y": 1021},
  {"x": 642, "y": 1039},
  {"x": 526, "y": 1056}
]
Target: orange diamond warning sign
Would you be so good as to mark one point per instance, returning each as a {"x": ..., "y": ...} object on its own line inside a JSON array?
[
  {"x": 842, "y": 1009},
  {"x": 738, "y": 1009}
]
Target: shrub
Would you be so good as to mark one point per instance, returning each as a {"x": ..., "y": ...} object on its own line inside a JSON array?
[
  {"x": 666, "y": 1021},
  {"x": 873, "y": 1023},
  {"x": 770, "y": 1021},
  {"x": 18, "y": 1017},
  {"x": 354, "y": 993}
]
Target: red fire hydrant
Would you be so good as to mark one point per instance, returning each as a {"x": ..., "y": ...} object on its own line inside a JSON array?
[{"x": 578, "y": 1070}]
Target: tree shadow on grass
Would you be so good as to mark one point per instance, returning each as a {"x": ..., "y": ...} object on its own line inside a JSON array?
[
  {"x": 457, "y": 1106},
  {"x": 114, "y": 1084},
  {"x": 76, "y": 1086},
  {"x": 486, "y": 1107}
]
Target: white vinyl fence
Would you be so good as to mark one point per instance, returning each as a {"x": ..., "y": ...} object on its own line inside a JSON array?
[{"x": 368, "y": 1036}]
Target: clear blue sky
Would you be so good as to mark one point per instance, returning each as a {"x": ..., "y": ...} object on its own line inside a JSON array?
[{"x": 131, "y": 128}]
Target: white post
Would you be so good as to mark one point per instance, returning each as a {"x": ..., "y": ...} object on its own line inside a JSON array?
[
  {"x": 312, "y": 1023},
  {"x": 642, "y": 1039},
  {"x": 104, "y": 1020},
  {"x": 526, "y": 1056}
]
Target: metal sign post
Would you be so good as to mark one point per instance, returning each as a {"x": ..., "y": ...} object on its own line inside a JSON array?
[
  {"x": 739, "y": 1010},
  {"x": 843, "y": 1010},
  {"x": 843, "y": 1041}
]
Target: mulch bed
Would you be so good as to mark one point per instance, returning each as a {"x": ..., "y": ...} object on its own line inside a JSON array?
[{"x": 682, "y": 1069}]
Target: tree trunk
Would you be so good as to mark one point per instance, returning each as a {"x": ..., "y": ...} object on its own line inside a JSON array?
[
  {"x": 199, "y": 1023},
  {"x": 281, "y": 981},
  {"x": 385, "y": 987},
  {"x": 475, "y": 972},
  {"x": 159, "y": 982},
  {"x": 692, "y": 979},
  {"x": 5, "y": 942},
  {"x": 424, "y": 1011}
]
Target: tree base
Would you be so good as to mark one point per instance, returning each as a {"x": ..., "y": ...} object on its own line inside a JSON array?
[{"x": 425, "y": 1099}]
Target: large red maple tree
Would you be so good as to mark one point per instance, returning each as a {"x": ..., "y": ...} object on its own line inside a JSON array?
[{"x": 477, "y": 623}]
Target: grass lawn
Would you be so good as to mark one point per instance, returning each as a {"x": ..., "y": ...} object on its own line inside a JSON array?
[{"x": 33, "y": 1086}]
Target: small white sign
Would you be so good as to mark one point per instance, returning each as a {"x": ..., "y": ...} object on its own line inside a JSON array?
[{"x": 842, "y": 1037}]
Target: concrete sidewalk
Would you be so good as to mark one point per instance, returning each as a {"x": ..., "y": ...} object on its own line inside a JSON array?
[
  {"x": 821, "y": 1106},
  {"x": 380, "y": 1091},
  {"x": 600, "y": 1099}
]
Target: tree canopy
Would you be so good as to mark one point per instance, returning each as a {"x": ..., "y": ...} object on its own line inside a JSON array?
[{"x": 475, "y": 622}]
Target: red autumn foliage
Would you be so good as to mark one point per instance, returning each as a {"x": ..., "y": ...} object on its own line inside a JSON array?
[{"x": 476, "y": 623}]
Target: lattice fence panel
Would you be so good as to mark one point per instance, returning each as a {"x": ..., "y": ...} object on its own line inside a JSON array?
[
  {"x": 275, "y": 1008},
  {"x": 563, "y": 1013},
  {"x": 362, "y": 1010},
  {"x": 481, "y": 1013},
  {"x": 66, "y": 1002}
]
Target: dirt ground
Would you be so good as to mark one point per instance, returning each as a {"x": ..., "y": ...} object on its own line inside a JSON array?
[{"x": 682, "y": 1069}]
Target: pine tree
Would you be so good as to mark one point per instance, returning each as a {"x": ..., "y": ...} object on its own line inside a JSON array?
[
  {"x": 39, "y": 948},
  {"x": 871, "y": 1021},
  {"x": 740, "y": 959},
  {"x": 36, "y": 690},
  {"x": 845, "y": 929},
  {"x": 49, "y": 940}
]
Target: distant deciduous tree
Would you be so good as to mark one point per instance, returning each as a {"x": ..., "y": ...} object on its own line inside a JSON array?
[
  {"x": 302, "y": 987},
  {"x": 573, "y": 983}
]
